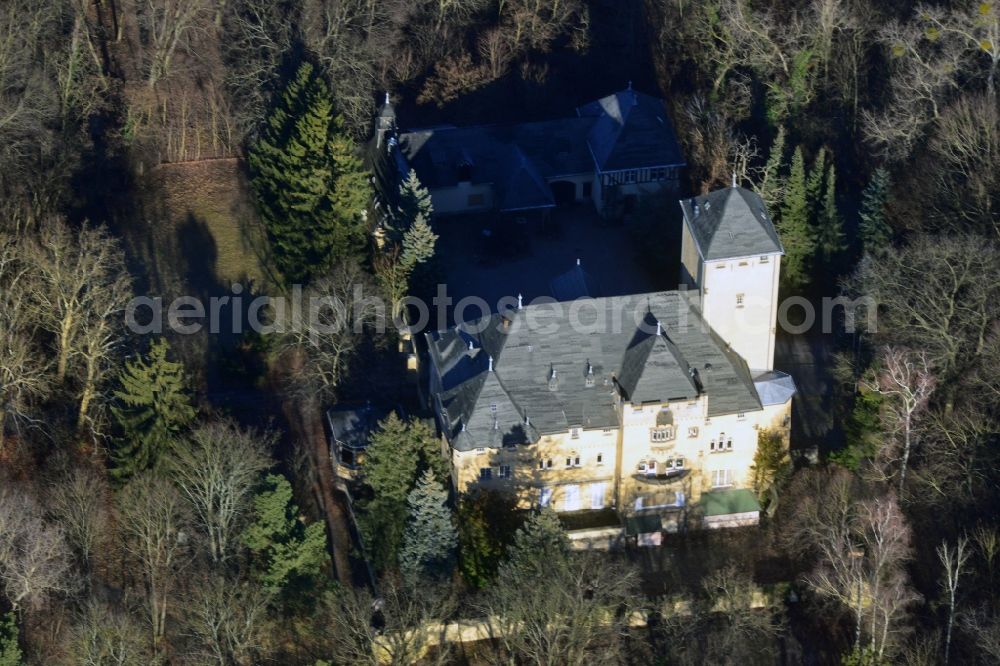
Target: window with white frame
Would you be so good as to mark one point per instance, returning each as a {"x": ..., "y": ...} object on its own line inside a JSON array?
[
  {"x": 485, "y": 473},
  {"x": 574, "y": 433},
  {"x": 503, "y": 472},
  {"x": 722, "y": 478},
  {"x": 692, "y": 432},
  {"x": 661, "y": 434},
  {"x": 741, "y": 416},
  {"x": 739, "y": 300},
  {"x": 600, "y": 458},
  {"x": 765, "y": 259}
]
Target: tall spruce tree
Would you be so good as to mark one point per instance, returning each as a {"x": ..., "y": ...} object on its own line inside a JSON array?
[
  {"x": 874, "y": 230},
  {"x": 830, "y": 242},
  {"x": 311, "y": 187},
  {"x": 10, "y": 651},
  {"x": 414, "y": 200},
  {"x": 430, "y": 539},
  {"x": 154, "y": 408},
  {"x": 794, "y": 226},
  {"x": 409, "y": 242},
  {"x": 289, "y": 551},
  {"x": 397, "y": 454},
  {"x": 815, "y": 183}
]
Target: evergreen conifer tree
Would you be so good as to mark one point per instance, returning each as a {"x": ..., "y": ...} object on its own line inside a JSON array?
[
  {"x": 397, "y": 454},
  {"x": 430, "y": 539},
  {"x": 10, "y": 651},
  {"x": 794, "y": 227},
  {"x": 541, "y": 543},
  {"x": 310, "y": 184},
  {"x": 814, "y": 185},
  {"x": 154, "y": 408},
  {"x": 289, "y": 549},
  {"x": 414, "y": 199},
  {"x": 830, "y": 225},
  {"x": 875, "y": 232}
]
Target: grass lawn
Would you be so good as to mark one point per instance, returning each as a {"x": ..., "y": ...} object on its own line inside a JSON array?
[{"x": 199, "y": 231}]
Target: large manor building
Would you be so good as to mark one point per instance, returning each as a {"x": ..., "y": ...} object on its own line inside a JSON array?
[{"x": 648, "y": 404}]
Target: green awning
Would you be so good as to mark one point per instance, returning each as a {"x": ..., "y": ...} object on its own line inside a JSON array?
[
  {"x": 642, "y": 524},
  {"x": 726, "y": 502}
]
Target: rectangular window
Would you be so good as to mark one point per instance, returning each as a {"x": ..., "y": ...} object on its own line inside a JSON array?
[
  {"x": 661, "y": 434},
  {"x": 679, "y": 463},
  {"x": 493, "y": 407},
  {"x": 693, "y": 432},
  {"x": 711, "y": 446},
  {"x": 576, "y": 461},
  {"x": 569, "y": 462},
  {"x": 574, "y": 433},
  {"x": 548, "y": 463},
  {"x": 739, "y": 300},
  {"x": 541, "y": 464},
  {"x": 741, "y": 416},
  {"x": 765, "y": 260},
  {"x": 722, "y": 478},
  {"x": 642, "y": 466},
  {"x": 480, "y": 450},
  {"x": 600, "y": 458},
  {"x": 729, "y": 444},
  {"x": 476, "y": 199},
  {"x": 485, "y": 473},
  {"x": 503, "y": 472}
]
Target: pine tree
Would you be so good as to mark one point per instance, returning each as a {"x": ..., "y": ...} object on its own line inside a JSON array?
[
  {"x": 414, "y": 200},
  {"x": 410, "y": 240},
  {"x": 814, "y": 185},
  {"x": 289, "y": 549},
  {"x": 10, "y": 651},
  {"x": 397, "y": 454},
  {"x": 154, "y": 409},
  {"x": 875, "y": 232},
  {"x": 310, "y": 184},
  {"x": 430, "y": 539},
  {"x": 539, "y": 545},
  {"x": 830, "y": 226},
  {"x": 794, "y": 227}
]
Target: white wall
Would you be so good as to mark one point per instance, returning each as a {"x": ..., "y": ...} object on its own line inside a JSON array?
[{"x": 749, "y": 328}]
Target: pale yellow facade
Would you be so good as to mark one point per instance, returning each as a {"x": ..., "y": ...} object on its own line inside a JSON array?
[{"x": 623, "y": 467}]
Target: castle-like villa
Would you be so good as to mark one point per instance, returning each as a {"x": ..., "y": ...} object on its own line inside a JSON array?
[
  {"x": 647, "y": 406},
  {"x": 650, "y": 404}
]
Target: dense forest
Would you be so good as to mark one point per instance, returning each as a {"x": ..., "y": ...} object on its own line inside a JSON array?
[{"x": 170, "y": 498}]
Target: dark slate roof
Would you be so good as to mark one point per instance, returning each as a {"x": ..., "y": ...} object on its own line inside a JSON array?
[
  {"x": 539, "y": 385},
  {"x": 631, "y": 130},
  {"x": 731, "y": 222},
  {"x": 522, "y": 188},
  {"x": 573, "y": 284},
  {"x": 352, "y": 425},
  {"x": 774, "y": 387},
  {"x": 627, "y": 130},
  {"x": 653, "y": 369}
]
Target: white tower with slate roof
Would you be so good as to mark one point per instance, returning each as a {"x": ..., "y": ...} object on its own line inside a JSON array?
[{"x": 731, "y": 256}]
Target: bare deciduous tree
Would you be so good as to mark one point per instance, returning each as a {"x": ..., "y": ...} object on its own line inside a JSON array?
[
  {"x": 217, "y": 471},
  {"x": 82, "y": 292},
  {"x": 34, "y": 559},
  {"x": 226, "y": 618},
  {"x": 78, "y": 501},
  {"x": 907, "y": 380},
  {"x": 953, "y": 560},
  {"x": 154, "y": 524},
  {"x": 104, "y": 636}
]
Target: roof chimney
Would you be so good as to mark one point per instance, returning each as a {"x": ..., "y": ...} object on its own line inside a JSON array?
[
  {"x": 520, "y": 301},
  {"x": 471, "y": 346},
  {"x": 386, "y": 96},
  {"x": 578, "y": 261},
  {"x": 659, "y": 328},
  {"x": 734, "y": 178},
  {"x": 491, "y": 364}
]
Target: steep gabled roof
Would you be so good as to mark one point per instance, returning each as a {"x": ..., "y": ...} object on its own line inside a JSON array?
[
  {"x": 729, "y": 223},
  {"x": 631, "y": 131},
  {"x": 553, "y": 370},
  {"x": 653, "y": 369}
]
